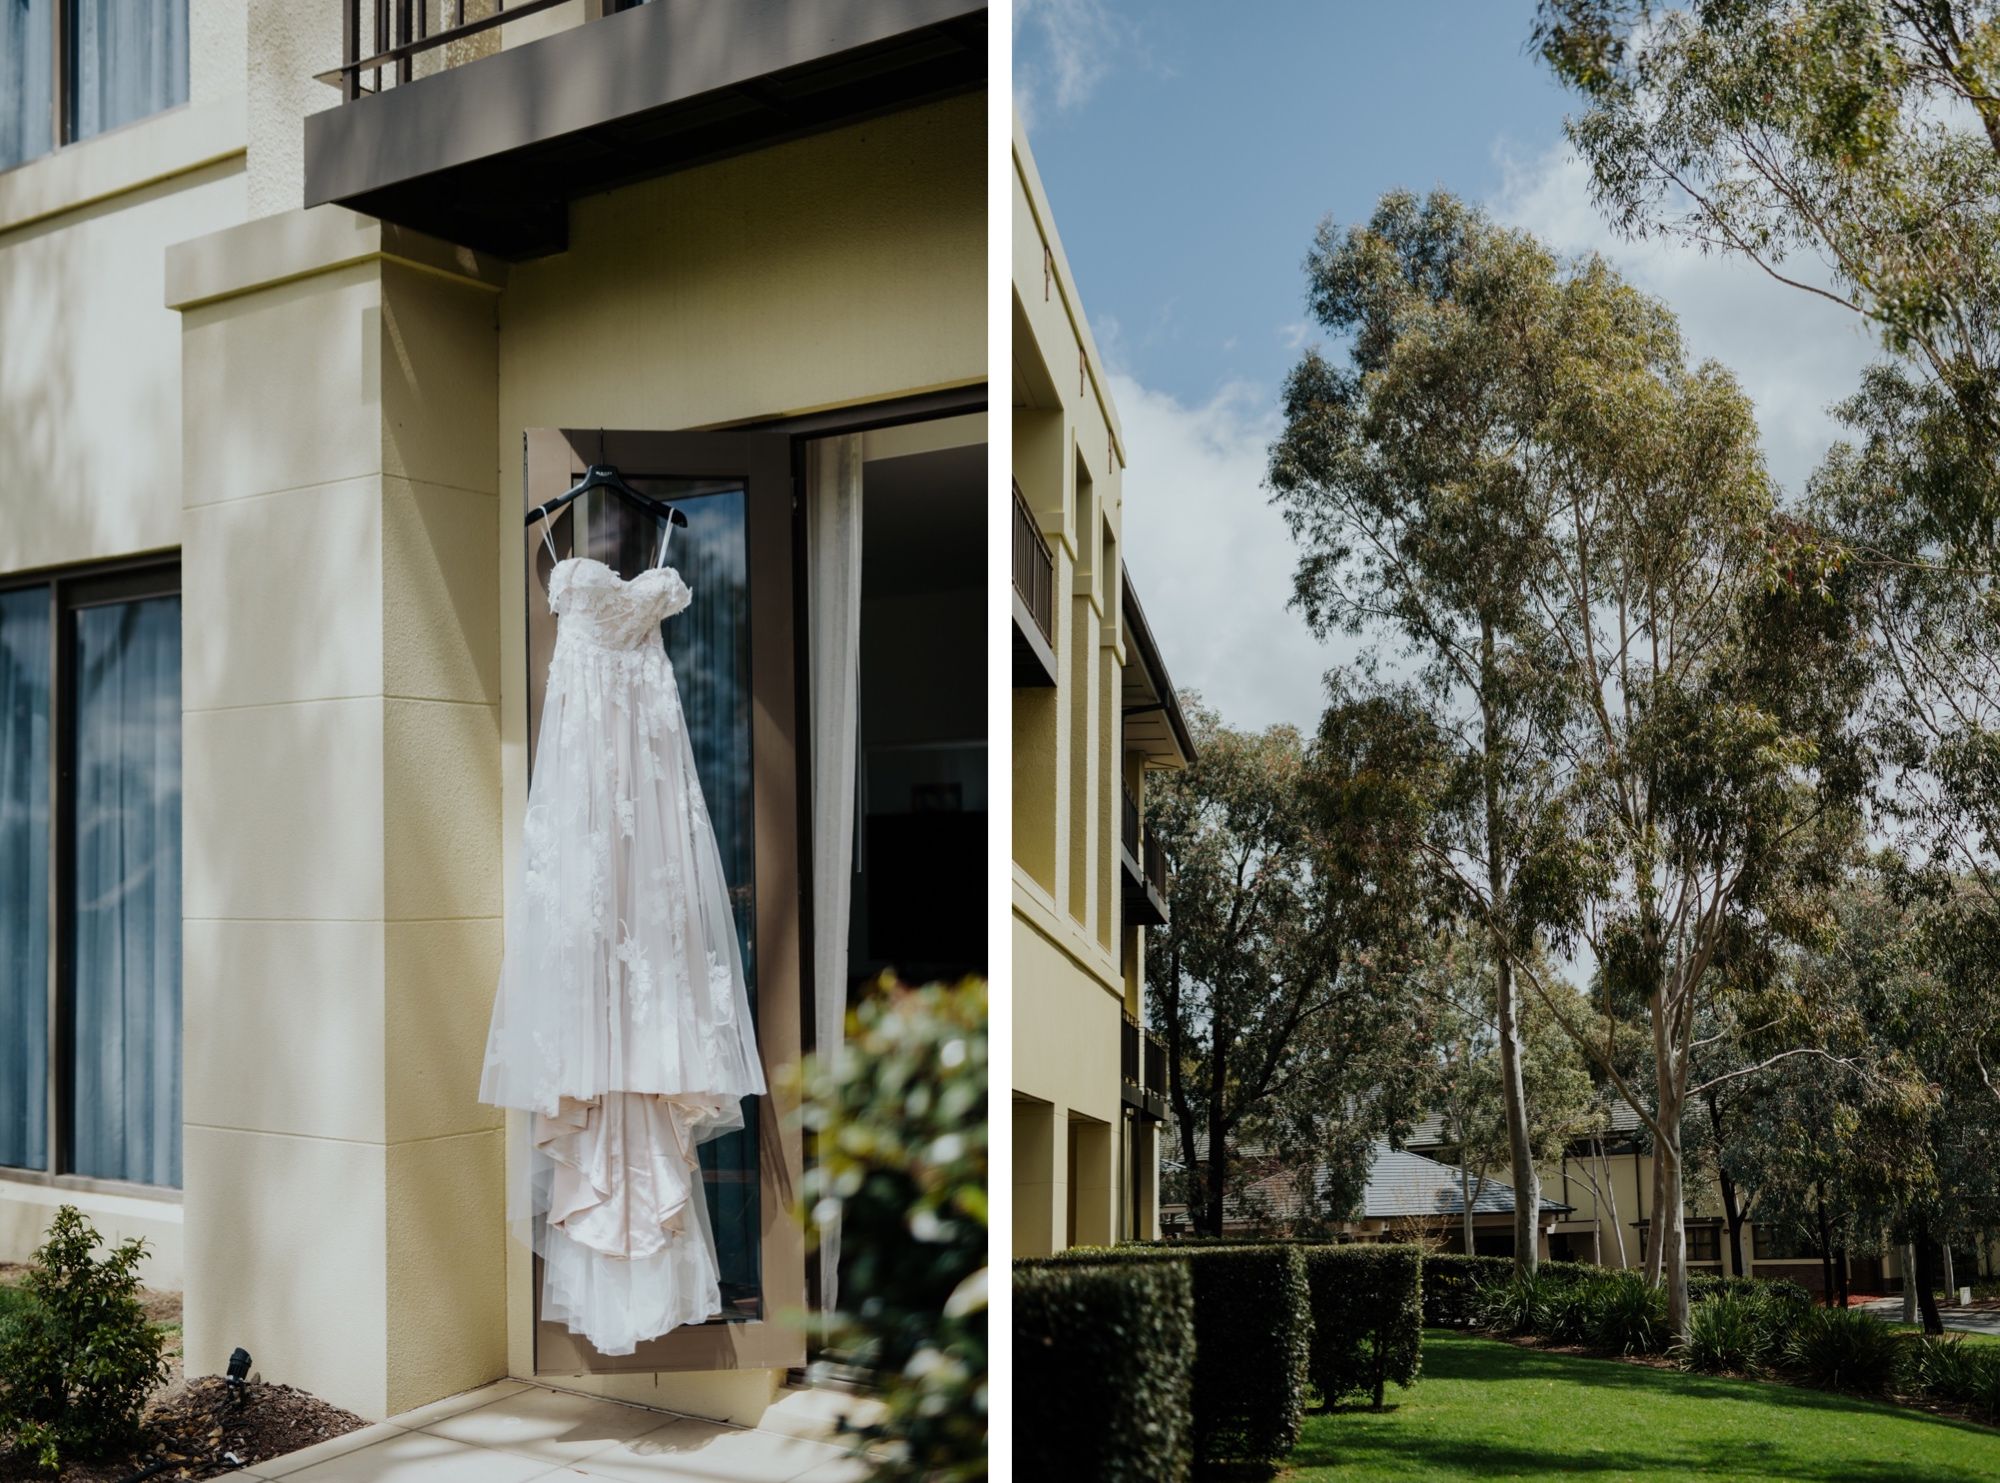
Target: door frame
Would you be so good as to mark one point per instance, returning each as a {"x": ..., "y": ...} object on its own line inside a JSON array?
[{"x": 554, "y": 459}]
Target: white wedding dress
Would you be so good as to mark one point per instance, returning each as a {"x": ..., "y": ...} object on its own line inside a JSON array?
[{"x": 622, "y": 1023}]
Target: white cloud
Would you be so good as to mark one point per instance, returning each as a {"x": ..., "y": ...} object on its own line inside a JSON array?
[
  {"x": 1211, "y": 558},
  {"x": 1794, "y": 353},
  {"x": 1062, "y": 49}
]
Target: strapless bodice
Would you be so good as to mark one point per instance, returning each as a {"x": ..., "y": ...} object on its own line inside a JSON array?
[{"x": 598, "y": 607}]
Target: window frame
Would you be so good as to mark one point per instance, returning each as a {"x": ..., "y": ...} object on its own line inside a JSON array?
[
  {"x": 62, "y": 49},
  {"x": 70, "y": 591}
]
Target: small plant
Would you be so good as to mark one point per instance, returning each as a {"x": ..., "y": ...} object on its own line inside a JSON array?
[
  {"x": 1510, "y": 1307},
  {"x": 1946, "y": 1368},
  {"x": 1626, "y": 1315},
  {"x": 899, "y": 1136},
  {"x": 1568, "y": 1310},
  {"x": 78, "y": 1361},
  {"x": 1729, "y": 1333},
  {"x": 1842, "y": 1349}
]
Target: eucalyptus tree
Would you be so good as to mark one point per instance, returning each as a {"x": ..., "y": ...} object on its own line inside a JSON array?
[
  {"x": 1564, "y": 531},
  {"x": 1864, "y": 134},
  {"x": 1406, "y": 486},
  {"x": 1279, "y": 982}
]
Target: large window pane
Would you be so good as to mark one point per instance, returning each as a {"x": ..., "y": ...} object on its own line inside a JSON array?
[
  {"x": 24, "y": 876},
  {"x": 27, "y": 71},
  {"x": 129, "y": 59},
  {"x": 126, "y": 1090}
]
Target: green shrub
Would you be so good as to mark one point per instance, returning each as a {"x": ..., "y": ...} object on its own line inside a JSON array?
[
  {"x": 1252, "y": 1339},
  {"x": 899, "y": 1145},
  {"x": 1566, "y": 1310},
  {"x": 79, "y": 1360},
  {"x": 1103, "y": 1372},
  {"x": 1626, "y": 1315},
  {"x": 1512, "y": 1306},
  {"x": 1945, "y": 1368},
  {"x": 1731, "y": 1332},
  {"x": 1842, "y": 1349},
  {"x": 1367, "y": 1318},
  {"x": 1452, "y": 1284}
]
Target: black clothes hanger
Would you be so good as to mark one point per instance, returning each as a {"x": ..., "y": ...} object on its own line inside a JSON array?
[{"x": 604, "y": 476}]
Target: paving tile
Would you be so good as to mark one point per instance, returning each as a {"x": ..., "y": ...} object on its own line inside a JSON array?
[
  {"x": 552, "y": 1425},
  {"x": 305, "y": 1457},
  {"x": 419, "y": 1457},
  {"x": 816, "y": 1414},
  {"x": 457, "y": 1405},
  {"x": 689, "y": 1451}
]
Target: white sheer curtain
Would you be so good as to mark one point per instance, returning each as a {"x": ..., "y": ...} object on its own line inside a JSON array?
[{"x": 833, "y": 540}]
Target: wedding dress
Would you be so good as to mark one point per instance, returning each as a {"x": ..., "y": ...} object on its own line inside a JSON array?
[{"x": 621, "y": 1022}]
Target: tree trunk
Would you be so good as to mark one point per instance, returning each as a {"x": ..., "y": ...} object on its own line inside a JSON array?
[
  {"x": 1218, "y": 1130},
  {"x": 1825, "y": 1252},
  {"x": 1840, "y": 1274},
  {"x": 1909, "y": 1282},
  {"x": 1950, "y": 1273},
  {"x": 1527, "y": 1179},
  {"x": 1655, "y": 1237},
  {"x": 1920, "y": 1235},
  {"x": 1732, "y": 1211},
  {"x": 1670, "y": 1218},
  {"x": 1465, "y": 1197},
  {"x": 1513, "y": 1092},
  {"x": 1611, "y": 1198}
]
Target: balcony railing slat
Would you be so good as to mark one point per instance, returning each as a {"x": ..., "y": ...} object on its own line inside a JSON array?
[
  {"x": 1034, "y": 567},
  {"x": 402, "y": 33}
]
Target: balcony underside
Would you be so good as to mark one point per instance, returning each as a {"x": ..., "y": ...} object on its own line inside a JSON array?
[
  {"x": 490, "y": 153},
  {"x": 1034, "y": 660},
  {"x": 1144, "y": 905}
]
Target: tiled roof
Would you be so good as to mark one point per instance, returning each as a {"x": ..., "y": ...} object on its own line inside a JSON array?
[
  {"x": 1429, "y": 1131},
  {"x": 1400, "y": 1185}
]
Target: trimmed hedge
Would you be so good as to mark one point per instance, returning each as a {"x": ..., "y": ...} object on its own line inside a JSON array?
[
  {"x": 1103, "y": 1372},
  {"x": 1252, "y": 1340},
  {"x": 1367, "y": 1315},
  {"x": 1452, "y": 1283}
]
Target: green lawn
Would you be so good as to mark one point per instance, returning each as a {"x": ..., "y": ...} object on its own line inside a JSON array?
[{"x": 1484, "y": 1409}]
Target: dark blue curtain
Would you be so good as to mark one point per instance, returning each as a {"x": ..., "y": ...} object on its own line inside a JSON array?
[
  {"x": 25, "y": 649},
  {"x": 130, "y": 60},
  {"x": 126, "y": 1083},
  {"x": 27, "y": 75}
]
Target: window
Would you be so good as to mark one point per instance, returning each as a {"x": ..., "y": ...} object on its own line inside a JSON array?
[
  {"x": 1776, "y": 1244},
  {"x": 85, "y": 66},
  {"x": 90, "y": 850},
  {"x": 1704, "y": 1243}
]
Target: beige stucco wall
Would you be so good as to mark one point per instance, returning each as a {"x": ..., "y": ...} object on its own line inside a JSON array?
[{"x": 90, "y": 407}]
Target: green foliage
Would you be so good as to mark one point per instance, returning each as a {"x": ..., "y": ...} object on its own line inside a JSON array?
[
  {"x": 1277, "y": 982},
  {"x": 1627, "y": 1315},
  {"x": 1842, "y": 1349},
  {"x": 1253, "y": 1340},
  {"x": 1729, "y": 1333},
  {"x": 1367, "y": 1318},
  {"x": 77, "y": 1363},
  {"x": 899, "y": 1150},
  {"x": 1103, "y": 1372},
  {"x": 1949, "y": 1370},
  {"x": 1452, "y": 1285}
]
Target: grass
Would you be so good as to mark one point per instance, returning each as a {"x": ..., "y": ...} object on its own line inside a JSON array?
[{"x": 1484, "y": 1409}]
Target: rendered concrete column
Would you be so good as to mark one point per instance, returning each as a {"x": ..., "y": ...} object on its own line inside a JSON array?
[
  {"x": 1095, "y": 1195},
  {"x": 341, "y": 807},
  {"x": 1041, "y": 1178}
]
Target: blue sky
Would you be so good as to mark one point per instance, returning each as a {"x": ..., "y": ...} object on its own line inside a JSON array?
[{"x": 1190, "y": 150}]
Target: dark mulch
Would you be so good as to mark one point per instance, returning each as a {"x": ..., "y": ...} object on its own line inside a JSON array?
[{"x": 193, "y": 1428}]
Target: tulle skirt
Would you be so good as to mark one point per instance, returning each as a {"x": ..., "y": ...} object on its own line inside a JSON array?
[{"x": 622, "y": 1020}]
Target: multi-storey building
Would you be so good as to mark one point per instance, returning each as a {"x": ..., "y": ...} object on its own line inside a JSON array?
[
  {"x": 1094, "y": 713},
  {"x": 303, "y": 305}
]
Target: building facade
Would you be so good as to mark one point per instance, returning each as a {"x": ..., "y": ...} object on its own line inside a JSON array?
[
  {"x": 1094, "y": 713},
  {"x": 298, "y": 319}
]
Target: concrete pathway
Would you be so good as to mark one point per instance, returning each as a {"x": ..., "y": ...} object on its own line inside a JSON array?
[
  {"x": 514, "y": 1432},
  {"x": 1971, "y": 1320}
]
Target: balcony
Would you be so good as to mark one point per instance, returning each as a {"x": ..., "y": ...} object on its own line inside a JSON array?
[
  {"x": 1145, "y": 870},
  {"x": 453, "y": 126},
  {"x": 1142, "y": 1071},
  {"x": 1034, "y": 600}
]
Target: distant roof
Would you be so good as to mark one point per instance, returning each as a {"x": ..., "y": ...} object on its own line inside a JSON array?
[
  {"x": 1400, "y": 1184},
  {"x": 1429, "y": 1131},
  {"x": 1152, "y": 708}
]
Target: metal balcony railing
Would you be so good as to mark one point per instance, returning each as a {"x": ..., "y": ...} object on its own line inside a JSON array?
[
  {"x": 1128, "y": 1052},
  {"x": 1153, "y": 862},
  {"x": 1156, "y": 1064},
  {"x": 1034, "y": 568},
  {"x": 378, "y": 36},
  {"x": 1129, "y": 831}
]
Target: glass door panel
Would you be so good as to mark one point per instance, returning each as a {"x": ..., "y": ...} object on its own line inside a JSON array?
[{"x": 731, "y": 650}]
